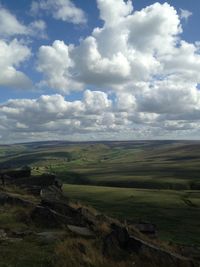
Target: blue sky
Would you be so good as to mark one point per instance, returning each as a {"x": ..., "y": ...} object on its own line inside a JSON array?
[{"x": 105, "y": 69}]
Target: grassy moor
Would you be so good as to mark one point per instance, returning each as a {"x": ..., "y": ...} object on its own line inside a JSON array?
[{"x": 150, "y": 181}]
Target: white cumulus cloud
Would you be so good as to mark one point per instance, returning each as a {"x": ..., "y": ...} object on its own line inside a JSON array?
[
  {"x": 12, "y": 55},
  {"x": 11, "y": 26},
  {"x": 129, "y": 48},
  {"x": 143, "y": 77},
  {"x": 64, "y": 10},
  {"x": 55, "y": 63}
]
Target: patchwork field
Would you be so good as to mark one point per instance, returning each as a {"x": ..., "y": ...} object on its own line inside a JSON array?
[
  {"x": 155, "y": 181},
  {"x": 147, "y": 164}
]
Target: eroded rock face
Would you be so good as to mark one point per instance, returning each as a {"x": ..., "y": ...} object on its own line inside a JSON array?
[
  {"x": 119, "y": 240},
  {"x": 82, "y": 231},
  {"x": 47, "y": 218},
  {"x": 43, "y": 181},
  {"x": 52, "y": 193},
  {"x": 71, "y": 215},
  {"x": 47, "y": 184},
  {"x": 88, "y": 217},
  {"x": 158, "y": 256},
  {"x": 116, "y": 241},
  {"x": 56, "y": 214}
]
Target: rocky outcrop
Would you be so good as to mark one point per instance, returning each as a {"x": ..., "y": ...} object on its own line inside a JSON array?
[
  {"x": 33, "y": 184},
  {"x": 147, "y": 228},
  {"x": 119, "y": 240},
  {"x": 6, "y": 198},
  {"x": 52, "y": 193},
  {"x": 53, "y": 211},
  {"x": 42, "y": 181},
  {"x": 158, "y": 256},
  {"x": 82, "y": 231},
  {"x": 49, "y": 237},
  {"x": 48, "y": 218}
]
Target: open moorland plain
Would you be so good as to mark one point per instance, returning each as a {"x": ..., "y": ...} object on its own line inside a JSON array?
[{"x": 148, "y": 181}]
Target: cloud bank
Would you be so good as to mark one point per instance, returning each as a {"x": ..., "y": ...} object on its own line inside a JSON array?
[{"x": 143, "y": 78}]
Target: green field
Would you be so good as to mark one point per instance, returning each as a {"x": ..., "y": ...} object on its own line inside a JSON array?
[
  {"x": 157, "y": 181},
  {"x": 176, "y": 213}
]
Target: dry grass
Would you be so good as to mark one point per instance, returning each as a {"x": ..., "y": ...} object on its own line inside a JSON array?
[
  {"x": 79, "y": 252},
  {"x": 103, "y": 228}
]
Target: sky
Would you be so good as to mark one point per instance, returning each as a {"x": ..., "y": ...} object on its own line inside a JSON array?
[{"x": 99, "y": 70}]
